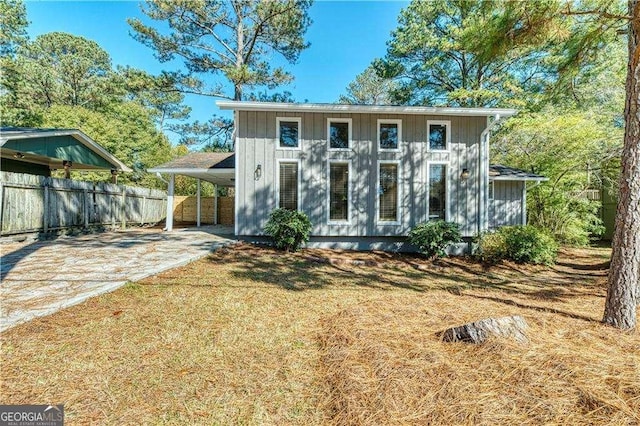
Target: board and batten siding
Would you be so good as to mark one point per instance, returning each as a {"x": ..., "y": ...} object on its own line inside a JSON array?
[
  {"x": 256, "y": 144},
  {"x": 506, "y": 207}
]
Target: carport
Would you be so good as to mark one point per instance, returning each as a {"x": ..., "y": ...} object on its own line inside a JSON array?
[
  {"x": 217, "y": 168},
  {"x": 39, "y": 151}
]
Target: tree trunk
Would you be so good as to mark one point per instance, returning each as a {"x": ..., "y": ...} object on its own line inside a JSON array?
[
  {"x": 624, "y": 275},
  {"x": 237, "y": 84}
]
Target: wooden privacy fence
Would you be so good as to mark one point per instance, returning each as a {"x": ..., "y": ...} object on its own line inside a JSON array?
[
  {"x": 185, "y": 210},
  {"x": 31, "y": 203}
]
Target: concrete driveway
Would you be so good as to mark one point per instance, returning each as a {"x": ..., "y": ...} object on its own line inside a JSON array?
[{"x": 42, "y": 277}]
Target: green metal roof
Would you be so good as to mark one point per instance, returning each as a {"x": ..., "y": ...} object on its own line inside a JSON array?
[{"x": 50, "y": 147}]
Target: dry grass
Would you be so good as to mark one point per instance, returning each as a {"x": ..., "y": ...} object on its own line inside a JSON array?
[{"x": 251, "y": 336}]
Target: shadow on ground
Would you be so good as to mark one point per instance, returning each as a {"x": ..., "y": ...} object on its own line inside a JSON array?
[{"x": 316, "y": 269}]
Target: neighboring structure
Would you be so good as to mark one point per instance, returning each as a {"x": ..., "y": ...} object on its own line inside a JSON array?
[
  {"x": 366, "y": 175},
  {"x": 508, "y": 195},
  {"x": 39, "y": 151},
  {"x": 31, "y": 201}
]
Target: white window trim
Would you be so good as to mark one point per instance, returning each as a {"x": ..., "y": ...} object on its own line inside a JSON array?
[
  {"x": 396, "y": 121},
  {"x": 349, "y": 142},
  {"x": 399, "y": 195},
  {"x": 277, "y": 185},
  {"x": 447, "y": 188},
  {"x": 287, "y": 148},
  {"x": 448, "y": 135},
  {"x": 491, "y": 190},
  {"x": 349, "y": 193}
]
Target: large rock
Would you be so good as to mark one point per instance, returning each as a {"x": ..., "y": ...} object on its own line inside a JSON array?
[{"x": 513, "y": 327}]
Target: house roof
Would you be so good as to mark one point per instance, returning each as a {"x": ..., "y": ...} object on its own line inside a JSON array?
[
  {"x": 50, "y": 147},
  {"x": 363, "y": 109},
  {"x": 500, "y": 172},
  {"x": 214, "y": 167}
]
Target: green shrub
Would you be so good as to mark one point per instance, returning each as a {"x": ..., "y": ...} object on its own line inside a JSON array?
[
  {"x": 288, "y": 228},
  {"x": 433, "y": 237},
  {"x": 571, "y": 220},
  {"x": 491, "y": 247},
  {"x": 528, "y": 244},
  {"x": 522, "y": 244}
]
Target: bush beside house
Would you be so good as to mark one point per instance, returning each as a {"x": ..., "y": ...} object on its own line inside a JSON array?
[
  {"x": 432, "y": 238},
  {"x": 289, "y": 229},
  {"x": 522, "y": 244}
]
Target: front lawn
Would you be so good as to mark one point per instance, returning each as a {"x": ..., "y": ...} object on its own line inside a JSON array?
[{"x": 254, "y": 336}]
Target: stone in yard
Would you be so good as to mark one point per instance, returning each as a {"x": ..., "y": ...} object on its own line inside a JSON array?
[{"x": 513, "y": 327}]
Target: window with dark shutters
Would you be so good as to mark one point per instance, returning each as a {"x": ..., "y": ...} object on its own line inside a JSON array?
[
  {"x": 339, "y": 192},
  {"x": 388, "y": 192},
  {"x": 288, "y": 186}
]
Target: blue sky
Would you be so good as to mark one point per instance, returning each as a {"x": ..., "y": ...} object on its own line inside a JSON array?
[{"x": 345, "y": 37}]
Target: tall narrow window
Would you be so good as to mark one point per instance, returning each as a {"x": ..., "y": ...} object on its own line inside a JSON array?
[
  {"x": 388, "y": 192},
  {"x": 288, "y": 192},
  {"x": 288, "y": 132},
  {"x": 437, "y": 191},
  {"x": 439, "y": 134},
  {"x": 338, "y": 192},
  {"x": 339, "y": 133},
  {"x": 389, "y": 134}
]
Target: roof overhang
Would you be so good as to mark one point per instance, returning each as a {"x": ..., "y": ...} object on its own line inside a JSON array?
[
  {"x": 222, "y": 177},
  {"x": 215, "y": 167},
  {"x": 500, "y": 172},
  {"x": 518, "y": 178},
  {"x": 363, "y": 109},
  {"x": 54, "y": 162}
]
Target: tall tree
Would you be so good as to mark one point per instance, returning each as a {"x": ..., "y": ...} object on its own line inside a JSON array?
[
  {"x": 232, "y": 39},
  {"x": 13, "y": 26},
  {"x": 159, "y": 94},
  {"x": 61, "y": 68},
  {"x": 13, "y": 36},
  {"x": 623, "y": 292},
  {"x": 369, "y": 88},
  {"x": 596, "y": 20},
  {"x": 438, "y": 58}
]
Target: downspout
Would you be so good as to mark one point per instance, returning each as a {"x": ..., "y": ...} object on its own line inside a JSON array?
[{"x": 483, "y": 175}]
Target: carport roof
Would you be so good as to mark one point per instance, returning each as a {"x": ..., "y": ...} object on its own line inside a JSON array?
[
  {"x": 50, "y": 147},
  {"x": 214, "y": 167}
]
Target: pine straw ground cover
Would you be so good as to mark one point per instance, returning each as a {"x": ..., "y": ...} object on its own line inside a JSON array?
[{"x": 253, "y": 336}]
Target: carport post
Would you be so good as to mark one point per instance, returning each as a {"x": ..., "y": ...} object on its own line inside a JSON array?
[
  {"x": 172, "y": 181},
  {"x": 45, "y": 208},
  {"x": 215, "y": 204},
  {"x": 198, "y": 206}
]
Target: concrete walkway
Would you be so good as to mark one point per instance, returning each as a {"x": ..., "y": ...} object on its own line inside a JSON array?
[{"x": 42, "y": 277}]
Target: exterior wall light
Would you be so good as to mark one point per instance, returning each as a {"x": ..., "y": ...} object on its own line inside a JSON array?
[
  {"x": 258, "y": 172},
  {"x": 465, "y": 174}
]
